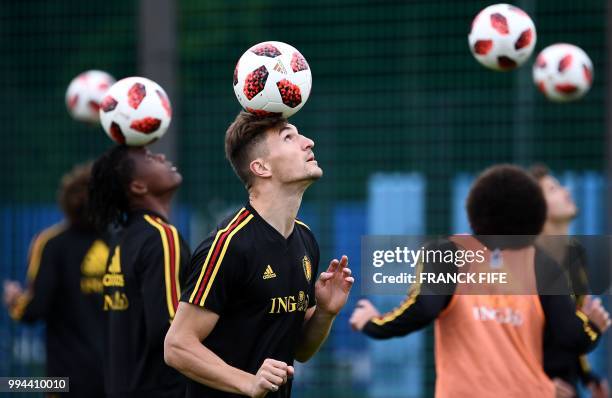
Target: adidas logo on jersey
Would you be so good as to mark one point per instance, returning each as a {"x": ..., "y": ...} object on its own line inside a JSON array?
[{"x": 268, "y": 273}]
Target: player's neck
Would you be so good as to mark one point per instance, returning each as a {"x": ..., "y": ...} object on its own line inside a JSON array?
[
  {"x": 159, "y": 205},
  {"x": 556, "y": 227},
  {"x": 278, "y": 208}
]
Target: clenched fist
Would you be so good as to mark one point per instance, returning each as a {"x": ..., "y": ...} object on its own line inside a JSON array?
[{"x": 271, "y": 375}]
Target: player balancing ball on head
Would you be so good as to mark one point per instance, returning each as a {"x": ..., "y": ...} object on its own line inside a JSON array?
[
  {"x": 135, "y": 111},
  {"x": 272, "y": 78}
]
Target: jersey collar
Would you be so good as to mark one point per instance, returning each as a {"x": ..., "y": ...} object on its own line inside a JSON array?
[
  {"x": 272, "y": 230},
  {"x": 142, "y": 212}
]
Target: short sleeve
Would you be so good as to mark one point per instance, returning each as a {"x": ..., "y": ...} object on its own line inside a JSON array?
[{"x": 214, "y": 278}]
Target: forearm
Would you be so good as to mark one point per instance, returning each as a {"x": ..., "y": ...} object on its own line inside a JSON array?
[
  {"x": 411, "y": 315},
  {"x": 194, "y": 360},
  {"x": 385, "y": 328},
  {"x": 314, "y": 333}
]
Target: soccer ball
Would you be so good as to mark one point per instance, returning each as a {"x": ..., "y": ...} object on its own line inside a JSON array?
[
  {"x": 135, "y": 111},
  {"x": 502, "y": 37},
  {"x": 85, "y": 92},
  {"x": 272, "y": 78},
  {"x": 563, "y": 72}
]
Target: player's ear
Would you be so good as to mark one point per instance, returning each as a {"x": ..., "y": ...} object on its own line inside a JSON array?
[
  {"x": 260, "y": 168},
  {"x": 138, "y": 188}
]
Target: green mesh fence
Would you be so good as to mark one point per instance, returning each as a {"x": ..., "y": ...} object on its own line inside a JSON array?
[
  {"x": 44, "y": 44},
  {"x": 395, "y": 89}
]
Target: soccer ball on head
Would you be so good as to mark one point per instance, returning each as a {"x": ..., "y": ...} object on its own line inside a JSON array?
[
  {"x": 84, "y": 94},
  {"x": 502, "y": 37},
  {"x": 563, "y": 72},
  {"x": 272, "y": 78},
  {"x": 135, "y": 111}
]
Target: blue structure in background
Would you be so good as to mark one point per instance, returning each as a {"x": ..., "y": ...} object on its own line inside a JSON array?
[
  {"x": 348, "y": 347},
  {"x": 22, "y": 347},
  {"x": 459, "y": 193},
  {"x": 588, "y": 190},
  {"x": 349, "y": 224},
  {"x": 396, "y": 206}
]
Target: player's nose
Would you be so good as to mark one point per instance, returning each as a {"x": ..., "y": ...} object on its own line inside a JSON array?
[{"x": 308, "y": 143}]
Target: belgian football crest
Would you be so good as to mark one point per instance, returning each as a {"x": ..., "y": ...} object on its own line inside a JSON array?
[{"x": 307, "y": 268}]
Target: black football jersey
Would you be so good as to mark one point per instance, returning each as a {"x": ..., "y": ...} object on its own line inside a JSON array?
[
  {"x": 559, "y": 361},
  {"x": 260, "y": 284},
  {"x": 64, "y": 279},
  {"x": 141, "y": 292}
]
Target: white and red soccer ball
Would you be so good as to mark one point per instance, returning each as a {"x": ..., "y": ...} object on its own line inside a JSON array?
[
  {"x": 272, "y": 78},
  {"x": 135, "y": 111},
  {"x": 502, "y": 37},
  {"x": 563, "y": 72},
  {"x": 85, "y": 92}
]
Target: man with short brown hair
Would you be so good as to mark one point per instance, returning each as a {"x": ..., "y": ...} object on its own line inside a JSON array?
[
  {"x": 243, "y": 139},
  {"x": 253, "y": 303}
]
